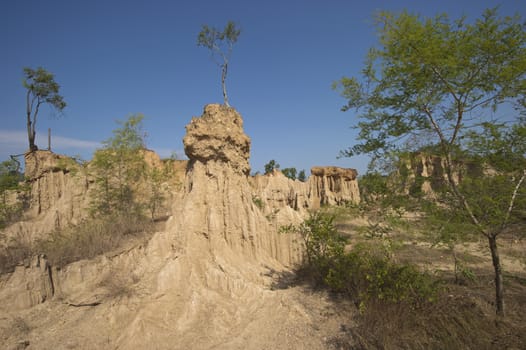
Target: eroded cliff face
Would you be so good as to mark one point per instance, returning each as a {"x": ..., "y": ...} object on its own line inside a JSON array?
[
  {"x": 218, "y": 202},
  {"x": 334, "y": 186},
  {"x": 425, "y": 173},
  {"x": 202, "y": 282},
  {"x": 281, "y": 197},
  {"x": 57, "y": 196}
]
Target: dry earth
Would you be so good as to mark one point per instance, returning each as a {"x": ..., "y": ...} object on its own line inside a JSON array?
[{"x": 211, "y": 279}]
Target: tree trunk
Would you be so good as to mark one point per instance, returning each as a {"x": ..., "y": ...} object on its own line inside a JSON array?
[
  {"x": 31, "y": 125},
  {"x": 223, "y": 84},
  {"x": 30, "y": 133},
  {"x": 499, "y": 288},
  {"x": 31, "y": 136}
]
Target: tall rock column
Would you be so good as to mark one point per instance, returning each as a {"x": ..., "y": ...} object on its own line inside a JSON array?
[{"x": 217, "y": 209}]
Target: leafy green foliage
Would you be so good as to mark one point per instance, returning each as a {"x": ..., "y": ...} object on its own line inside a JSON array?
[
  {"x": 442, "y": 82},
  {"x": 10, "y": 179},
  {"x": 373, "y": 186},
  {"x": 270, "y": 166},
  {"x": 126, "y": 184},
  {"x": 323, "y": 244},
  {"x": 370, "y": 275},
  {"x": 155, "y": 178},
  {"x": 290, "y": 173},
  {"x": 258, "y": 202},
  {"x": 10, "y": 176},
  {"x": 118, "y": 167},
  {"x": 301, "y": 176},
  {"x": 220, "y": 43},
  {"x": 429, "y": 73},
  {"x": 364, "y": 274},
  {"x": 41, "y": 89}
]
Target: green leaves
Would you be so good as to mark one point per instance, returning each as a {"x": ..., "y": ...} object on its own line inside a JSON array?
[
  {"x": 427, "y": 74},
  {"x": 42, "y": 86},
  {"x": 41, "y": 89},
  {"x": 119, "y": 166},
  {"x": 212, "y": 38},
  {"x": 363, "y": 274},
  {"x": 10, "y": 205},
  {"x": 270, "y": 166},
  {"x": 220, "y": 44}
]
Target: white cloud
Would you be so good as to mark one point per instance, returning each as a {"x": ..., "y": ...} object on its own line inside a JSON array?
[
  {"x": 15, "y": 142},
  {"x": 66, "y": 142}
]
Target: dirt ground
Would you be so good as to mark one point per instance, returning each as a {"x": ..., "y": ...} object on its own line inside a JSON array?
[{"x": 213, "y": 310}]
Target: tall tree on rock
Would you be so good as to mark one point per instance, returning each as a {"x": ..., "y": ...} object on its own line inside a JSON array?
[
  {"x": 442, "y": 81},
  {"x": 41, "y": 89},
  {"x": 220, "y": 44}
]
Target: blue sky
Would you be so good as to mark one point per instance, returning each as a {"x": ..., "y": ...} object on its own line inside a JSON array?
[{"x": 114, "y": 58}]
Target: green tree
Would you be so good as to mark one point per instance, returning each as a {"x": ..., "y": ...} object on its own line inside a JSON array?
[
  {"x": 220, "y": 43},
  {"x": 41, "y": 89},
  {"x": 373, "y": 186},
  {"x": 440, "y": 80},
  {"x": 156, "y": 178},
  {"x": 301, "y": 176},
  {"x": 270, "y": 166},
  {"x": 118, "y": 166},
  {"x": 10, "y": 178},
  {"x": 290, "y": 173}
]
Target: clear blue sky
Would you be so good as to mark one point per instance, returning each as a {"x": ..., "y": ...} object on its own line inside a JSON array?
[{"x": 113, "y": 58}]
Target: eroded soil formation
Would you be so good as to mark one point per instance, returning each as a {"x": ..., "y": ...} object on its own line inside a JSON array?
[{"x": 206, "y": 279}]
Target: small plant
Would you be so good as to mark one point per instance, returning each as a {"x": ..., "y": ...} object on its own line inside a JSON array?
[
  {"x": 92, "y": 237},
  {"x": 18, "y": 250},
  {"x": 290, "y": 173},
  {"x": 13, "y": 193},
  {"x": 118, "y": 283},
  {"x": 272, "y": 215},
  {"x": 302, "y": 176},
  {"x": 271, "y": 166},
  {"x": 258, "y": 202},
  {"x": 220, "y": 44},
  {"x": 364, "y": 274}
]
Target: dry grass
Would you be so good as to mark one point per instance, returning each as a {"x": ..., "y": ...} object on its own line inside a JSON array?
[
  {"x": 92, "y": 238},
  {"x": 463, "y": 317},
  {"x": 18, "y": 250},
  {"x": 85, "y": 241},
  {"x": 119, "y": 283}
]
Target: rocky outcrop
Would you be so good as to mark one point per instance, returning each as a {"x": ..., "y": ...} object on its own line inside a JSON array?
[
  {"x": 218, "y": 201},
  {"x": 205, "y": 280},
  {"x": 326, "y": 186},
  {"x": 334, "y": 186},
  {"x": 29, "y": 285},
  {"x": 424, "y": 173},
  {"x": 217, "y": 136},
  {"x": 334, "y": 172},
  {"x": 56, "y": 198}
]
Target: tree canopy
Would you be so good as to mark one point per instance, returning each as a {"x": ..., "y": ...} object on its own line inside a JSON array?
[
  {"x": 220, "y": 44},
  {"x": 456, "y": 88},
  {"x": 41, "y": 89},
  {"x": 435, "y": 79}
]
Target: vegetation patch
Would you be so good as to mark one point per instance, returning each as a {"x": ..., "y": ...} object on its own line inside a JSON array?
[{"x": 366, "y": 273}]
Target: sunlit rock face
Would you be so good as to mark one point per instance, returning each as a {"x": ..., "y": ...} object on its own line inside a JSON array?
[
  {"x": 334, "y": 186},
  {"x": 209, "y": 270},
  {"x": 217, "y": 136}
]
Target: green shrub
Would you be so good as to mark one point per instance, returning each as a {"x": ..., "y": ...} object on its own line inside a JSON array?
[
  {"x": 258, "y": 202},
  {"x": 323, "y": 244},
  {"x": 17, "y": 250},
  {"x": 365, "y": 273},
  {"x": 12, "y": 193}
]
